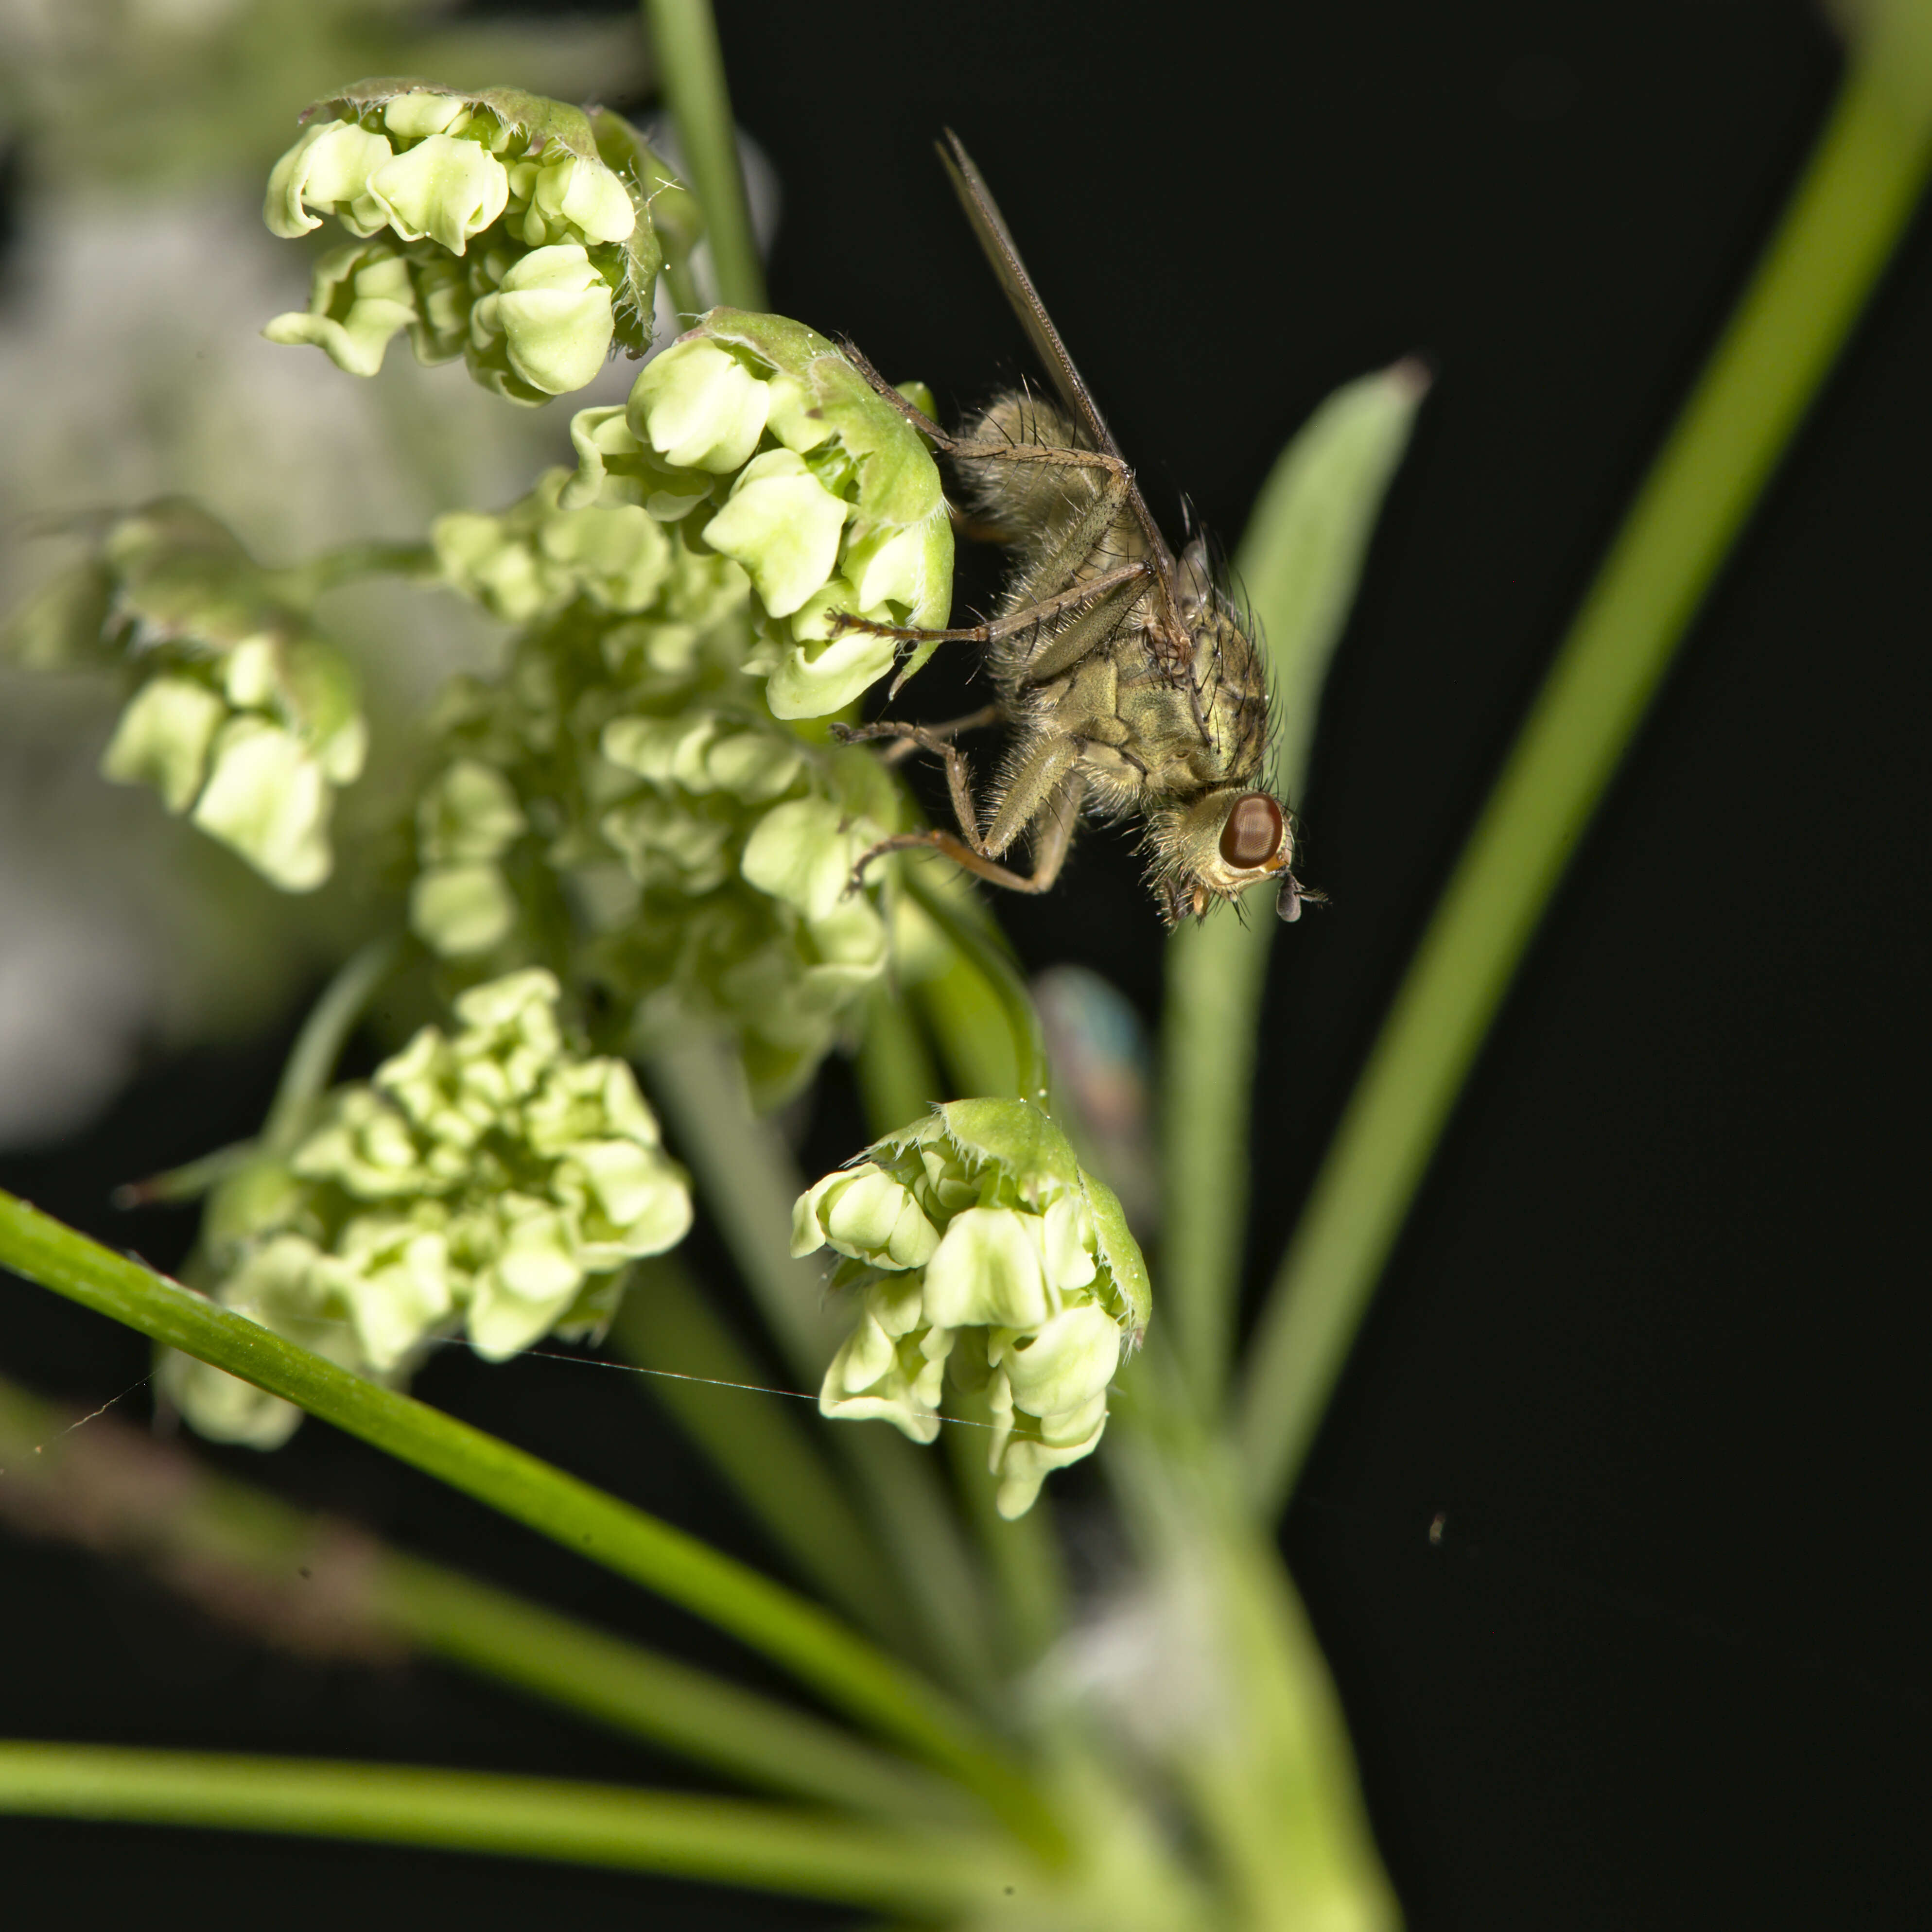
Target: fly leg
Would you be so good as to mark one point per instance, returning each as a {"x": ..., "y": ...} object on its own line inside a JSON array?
[
  {"x": 932, "y": 734},
  {"x": 937, "y": 739},
  {"x": 1061, "y": 815},
  {"x": 1046, "y": 792},
  {"x": 1060, "y": 455},
  {"x": 996, "y": 628}
]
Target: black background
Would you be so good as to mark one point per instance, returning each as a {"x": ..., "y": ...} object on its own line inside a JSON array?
[{"x": 1654, "y": 1338}]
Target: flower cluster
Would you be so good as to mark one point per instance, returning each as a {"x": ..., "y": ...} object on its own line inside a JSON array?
[
  {"x": 623, "y": 804},
  {"x": 758, "y": 436},
  {"x": 243, "y": 717},
  {"x": 974, "y": 1241},
  {"x": 492, "y": 1182},
  {"x": 500, "y": 226}
]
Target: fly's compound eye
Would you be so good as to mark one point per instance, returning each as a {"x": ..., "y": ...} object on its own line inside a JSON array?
[{"x": 1252, "y": 836}]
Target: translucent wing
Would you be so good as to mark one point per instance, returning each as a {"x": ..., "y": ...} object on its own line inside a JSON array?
[{"x": 987, "y": 224}]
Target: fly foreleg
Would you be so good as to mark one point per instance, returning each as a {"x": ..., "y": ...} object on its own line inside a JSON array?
[
  {"x": 1047, "y": 790},
  {"x": 929, "y": 737},
  {"x": 996, "y": 628},
  {"x": 1050, "y": 849}
]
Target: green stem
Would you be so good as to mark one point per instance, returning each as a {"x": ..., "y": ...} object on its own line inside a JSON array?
[
  {"x": 684, "y": 38},
  {"x": 749, "y": 1183},
  {"x": 1023, "y": 1557},
  {"x": 762, "y": 1449},
  {"x": 316, "y": 1586},
  {"x": 990, "y": 960},
  {"x": 303, "y": 583},
  {"x": 899, "y": 1082},
  {"x": 1847, "y": 214},
  {"x": 730, "y": 1842},
  {"x": 1301, "y": 560},
  {"x": 634, "y": 1690},
  {"x": 846, "y": 1670},
  {"x": 311, "y": 1065}
]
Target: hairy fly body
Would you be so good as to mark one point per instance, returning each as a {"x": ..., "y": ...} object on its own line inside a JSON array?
[{"x": 1130, "y": 681}]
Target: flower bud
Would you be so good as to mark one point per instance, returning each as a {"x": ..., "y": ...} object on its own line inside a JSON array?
[
  {"x": 242, "y": 718},
  {"x": 458, "y": 910},
  {"x": 163, "y": 739},
  {"x": 699, "y": 408},
  {"x": 981, "y": 1224},
  {"x": 360, "y": 298},
  {"x": 329, "y": 169},
  {"x": 803, "y": 852},
  {"x": 267, "y": 798},
  {"x": 441, "y": 189},
  {"x": 553, "y": 310},
  {"x": 470, "y": 811}
]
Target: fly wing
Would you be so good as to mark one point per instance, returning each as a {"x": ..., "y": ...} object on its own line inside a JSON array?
[{"x": 987, "y": 224}]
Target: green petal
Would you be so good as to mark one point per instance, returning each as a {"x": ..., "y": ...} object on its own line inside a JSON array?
[
  {"x": 1066, "y": 1362},
  {"x": 459, "y": 910},
  {"x": 444, "y": 190},
  {"x": 266, "y": 797},
  {"x": 699, "y": 407},
  {"x": 163, "y": 739},
  {"x": 986, "y": 1272},
  {"x": 783, "y": 526}
]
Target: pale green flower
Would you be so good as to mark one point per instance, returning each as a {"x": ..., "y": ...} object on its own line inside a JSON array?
[
  {"x": 508, "y": 229},
  {"x": 762, "y": 435},
  {"x": 978, "y": 1224},
  {"x": 163, "y": 737},
  {"x": 241, "y": 716},
  {"x": 445, "y": 190},
  {"x": 329, "y": 168},
  {"x": 553, "y": 310},
  {"x": 267, "y": 798},
  {"x": 686, "y": 855},
  {"x": 534, "y": 558},
  {"x": 278, "y": 1285},
  {"x": 361, "y": 297},
  {"x": 489, "y": 1182},
  {"x": 804, "y": 851}
]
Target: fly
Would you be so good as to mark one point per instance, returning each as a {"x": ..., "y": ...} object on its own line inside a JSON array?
[{"x": 1132, "y": 682}]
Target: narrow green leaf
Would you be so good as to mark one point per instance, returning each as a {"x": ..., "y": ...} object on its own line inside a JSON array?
[
  {"x": 842, "y": 1667},
  {"x": 767, "y": 1452},
  {"x": 313, "y": 1586},
  {"x": 729, "y": 1842},
  {"x": 1300, "y": 562}
]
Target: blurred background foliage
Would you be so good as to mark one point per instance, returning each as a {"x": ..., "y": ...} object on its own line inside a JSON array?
[{"x": 136, "y": 276}]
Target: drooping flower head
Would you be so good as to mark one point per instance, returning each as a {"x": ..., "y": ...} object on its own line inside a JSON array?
[
  {"x": 510, "y": 229},
  {"x": 975, "y": 1240},
  {"x": 242, "y": 715}
]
